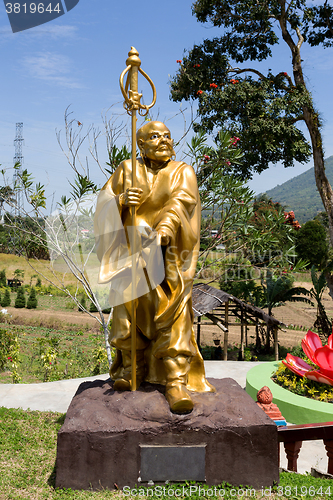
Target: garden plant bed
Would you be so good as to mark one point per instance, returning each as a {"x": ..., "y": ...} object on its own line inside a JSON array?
[
  {"x": 295, "y": 409},
  {"x": 78, "y": 352},
  {"x": 302, "y": 386}
]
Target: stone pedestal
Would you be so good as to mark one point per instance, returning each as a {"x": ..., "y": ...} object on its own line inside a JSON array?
[{"x": 115, "y": 439}]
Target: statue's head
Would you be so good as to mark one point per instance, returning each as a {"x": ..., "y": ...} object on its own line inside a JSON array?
[{"x": 154, "y": 141}]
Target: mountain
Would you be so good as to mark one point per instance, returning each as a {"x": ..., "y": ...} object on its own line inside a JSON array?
[{"x": 300, "y": 193}]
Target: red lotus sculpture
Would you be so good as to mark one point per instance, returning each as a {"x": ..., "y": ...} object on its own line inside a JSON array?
[{"x": 319, "y": 355}]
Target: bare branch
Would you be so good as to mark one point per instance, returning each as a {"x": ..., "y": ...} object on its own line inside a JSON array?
[
  {"x": 238, "y": 71},
  {"x": 300, "y": 38}
]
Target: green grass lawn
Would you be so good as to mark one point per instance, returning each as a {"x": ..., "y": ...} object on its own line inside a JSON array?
[
  {"x": 27, "y": 467},
  {"x": 28, "y": 452}
]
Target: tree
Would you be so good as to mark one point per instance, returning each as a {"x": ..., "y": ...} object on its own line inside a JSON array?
[
  {"x": 322, "y": 322},
  {"x": 241, "y": 282},
  {"x": 92, "y": 307},
  {"x": 264, "y": 110},
  {"x": 3, "y": 280},
  {"x": 18, "y": 274},
  {"x": 20, "y": 298},
  {"x": 6, "y": 298},
  {"x": 32, "y": 299},
  {"x": 269, "y": 215},
  {"x": 276, "y": 291},
  {"x": 228, "y": 212},
  {"x": 82, "y": 305},
  {"x": 311, "y": 243}
]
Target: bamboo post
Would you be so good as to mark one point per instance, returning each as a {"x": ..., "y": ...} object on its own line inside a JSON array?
[
  {"x": 198, "y": 330},
  {"x": 226, "y": 321},
  {"x": 242, "y": 335},
  {"x": 257, "y": 334},
  {"x": 276, "y": 343}
]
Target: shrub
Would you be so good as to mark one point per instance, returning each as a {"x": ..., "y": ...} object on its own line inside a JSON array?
[
  {"x": 100, "y": 361},
  {"x": 82, "y": 305},
  {"x": 3, "y": 280},
  {"x": 20, "y": 298},
  {"x": 9, "y": 353},
  {"x": 18, "y": 277},
  {"x": 32, "y": 300},
  {"x": 92, "y": 308},
  {"x": 6, "y": 298},
  {"x": 311, "y": 243},
  {"x": 48, "y": 354}
]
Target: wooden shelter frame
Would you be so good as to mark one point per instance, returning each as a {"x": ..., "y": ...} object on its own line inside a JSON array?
[{"x": 222, "y": 309}]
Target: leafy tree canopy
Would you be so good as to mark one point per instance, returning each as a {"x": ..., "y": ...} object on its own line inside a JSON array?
[
  {"x": 264, "y": 110},
  {"x": 311, "y": 243}
]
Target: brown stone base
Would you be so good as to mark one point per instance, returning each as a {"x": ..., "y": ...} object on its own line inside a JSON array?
[{"x": 108, "y": 439}]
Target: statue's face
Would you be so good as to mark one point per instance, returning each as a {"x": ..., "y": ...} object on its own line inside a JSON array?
[{"x": 157, "y": 144}]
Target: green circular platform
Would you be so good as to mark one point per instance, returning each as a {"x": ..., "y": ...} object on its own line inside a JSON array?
[{"x": 295, "y": 409}]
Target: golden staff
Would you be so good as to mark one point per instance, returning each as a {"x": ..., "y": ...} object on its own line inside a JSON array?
[{"x": 132, "y": 104}]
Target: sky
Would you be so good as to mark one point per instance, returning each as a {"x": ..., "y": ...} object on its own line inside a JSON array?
[{"x": 76, "y": 61}]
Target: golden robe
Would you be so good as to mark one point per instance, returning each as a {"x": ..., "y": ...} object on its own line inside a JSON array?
[{"x": 170, "y": 201}]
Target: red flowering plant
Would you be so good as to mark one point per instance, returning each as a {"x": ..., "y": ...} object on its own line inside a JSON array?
[
  {"x": 234, "y": 141},
  {"x": 289, "y": 218},
  {"x": 321, "y": 356}
]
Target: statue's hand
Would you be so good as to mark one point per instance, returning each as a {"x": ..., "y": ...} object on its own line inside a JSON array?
[
  {"x": 131, "y": 197},
  {"x": 165, "y": 238}
]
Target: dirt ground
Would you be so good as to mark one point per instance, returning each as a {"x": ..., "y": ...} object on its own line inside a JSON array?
[
  {"x": 292, "y": 314},
  {"x": 51, "y": 318}
]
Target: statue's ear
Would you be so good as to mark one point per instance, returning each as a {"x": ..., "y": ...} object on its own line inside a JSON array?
[{"x": 141, "y": 143}]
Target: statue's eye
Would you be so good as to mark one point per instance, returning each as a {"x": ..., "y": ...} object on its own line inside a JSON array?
[
  {"x": 154, "y": 136},
  {"x": 167, "y": 136}
]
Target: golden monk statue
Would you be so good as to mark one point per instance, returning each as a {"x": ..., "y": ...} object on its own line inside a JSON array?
[{"x": 168, "y": 219}]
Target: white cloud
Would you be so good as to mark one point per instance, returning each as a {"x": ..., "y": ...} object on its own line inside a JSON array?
[
  {"x": 52, "y": 68},
  {"x": 55, "y": 31},
  {"x": 5, "y": 33}
]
